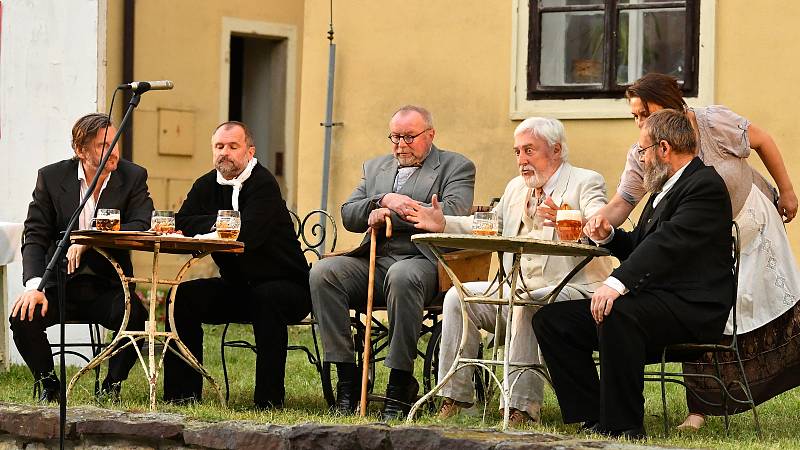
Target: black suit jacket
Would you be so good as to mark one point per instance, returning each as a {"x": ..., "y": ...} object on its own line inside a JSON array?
[
  {"x": 271, "y": 248},
  {"x": 55, "y": 198},
  {"x": 681, "y": 251}
]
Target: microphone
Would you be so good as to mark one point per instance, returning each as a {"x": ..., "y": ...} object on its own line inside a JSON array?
[{"x": 141, "y": 87}]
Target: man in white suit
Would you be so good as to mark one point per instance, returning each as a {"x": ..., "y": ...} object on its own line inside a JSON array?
[{"x": 527, "y": 208}]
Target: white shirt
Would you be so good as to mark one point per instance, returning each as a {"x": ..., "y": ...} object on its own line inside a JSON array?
[
  {"x": 85, "y": 218},
  {"x": 614, "y": 283}
]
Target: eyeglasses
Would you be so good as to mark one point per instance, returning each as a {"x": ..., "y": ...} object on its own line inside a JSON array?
[
  {"x": 641, "y": 150},
  {"x": 408, "y": 139}
]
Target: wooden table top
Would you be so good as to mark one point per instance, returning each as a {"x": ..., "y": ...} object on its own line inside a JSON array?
[
  {"x": 509, "y": 244},
  {"x": 146, "y": 240}
]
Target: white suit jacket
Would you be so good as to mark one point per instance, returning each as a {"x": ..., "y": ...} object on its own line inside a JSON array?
[{"x": 582, "y": 189}]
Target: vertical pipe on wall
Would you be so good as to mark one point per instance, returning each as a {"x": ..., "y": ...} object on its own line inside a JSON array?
[{"x": 129, "y": 21}]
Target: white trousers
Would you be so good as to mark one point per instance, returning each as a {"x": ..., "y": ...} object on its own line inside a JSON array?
[{"x": 527, "y": 393}]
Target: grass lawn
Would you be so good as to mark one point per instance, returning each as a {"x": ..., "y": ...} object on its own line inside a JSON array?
[{"x": 304, "y": 401}]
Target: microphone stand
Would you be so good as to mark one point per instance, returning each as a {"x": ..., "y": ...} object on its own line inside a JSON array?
[{"x": 62, "y": 414}]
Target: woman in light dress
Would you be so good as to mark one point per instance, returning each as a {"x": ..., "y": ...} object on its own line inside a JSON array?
[{"x": 768, "y": 312}]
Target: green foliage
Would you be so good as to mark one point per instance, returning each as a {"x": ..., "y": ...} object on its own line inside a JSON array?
[{"x": 304, "y": 402}]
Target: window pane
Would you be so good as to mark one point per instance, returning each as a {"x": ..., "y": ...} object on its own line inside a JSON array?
[
  {"x": 572, "y": 49},
  {"x": 651, "y": 41},
  {"x": 548, "y": 3}
]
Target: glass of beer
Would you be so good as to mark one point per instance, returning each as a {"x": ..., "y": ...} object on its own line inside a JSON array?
[
  {"x": 485, "y": 223},
  {"x": 569, "y": 224},
  {"x": 228, "y": 224},
  {"x": 106, "y": 220},
  {"x": 163, "y": 222}
]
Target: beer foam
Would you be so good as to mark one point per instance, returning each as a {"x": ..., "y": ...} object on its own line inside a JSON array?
[{"x": 568, "y": 214}]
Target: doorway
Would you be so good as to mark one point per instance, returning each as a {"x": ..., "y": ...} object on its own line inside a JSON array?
[{"x": 258, "y": 88}]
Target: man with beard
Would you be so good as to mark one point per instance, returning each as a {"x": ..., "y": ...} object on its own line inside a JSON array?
[
  {"x": 674, "y": 284},
  {"x": 267, "y": 285},
  {"x": 93, "y": 290},
  {"x": 527, "y": 208},
  {"x": 405, "y": 278}
]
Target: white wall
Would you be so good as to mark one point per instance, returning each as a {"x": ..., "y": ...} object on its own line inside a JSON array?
[{"x": 49, "y": 76}]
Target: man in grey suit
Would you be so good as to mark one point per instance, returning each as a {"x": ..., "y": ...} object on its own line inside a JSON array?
[{"x": 405, "y": 279}]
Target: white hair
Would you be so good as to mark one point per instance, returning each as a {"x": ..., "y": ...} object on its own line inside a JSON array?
[{"x": 546, "y": 128}]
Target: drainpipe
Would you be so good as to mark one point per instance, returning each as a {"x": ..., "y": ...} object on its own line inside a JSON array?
[{"x": 129, "y": 16}]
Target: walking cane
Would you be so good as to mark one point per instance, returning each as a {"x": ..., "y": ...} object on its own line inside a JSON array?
[{"x": 368, "y": 332}]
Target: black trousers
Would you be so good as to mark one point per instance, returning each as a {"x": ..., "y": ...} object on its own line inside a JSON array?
[
  {"x": 633, "y": 335},
  {"x": 270, "y": 306},
  {"x": 88, "y": 298}
]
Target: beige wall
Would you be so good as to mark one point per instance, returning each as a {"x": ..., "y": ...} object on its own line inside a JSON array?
[
  {"x": 180, "y": 40},
  {"x": 455, "y": 58}
]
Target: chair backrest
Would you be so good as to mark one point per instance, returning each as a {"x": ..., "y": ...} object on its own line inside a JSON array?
[{"x": 316, "y": 232}]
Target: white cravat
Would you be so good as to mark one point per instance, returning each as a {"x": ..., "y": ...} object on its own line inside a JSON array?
[{"x": 237, "y": 181}]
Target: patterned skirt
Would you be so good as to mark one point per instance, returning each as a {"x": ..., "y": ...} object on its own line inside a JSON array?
[{"x": 771, "y": 357}]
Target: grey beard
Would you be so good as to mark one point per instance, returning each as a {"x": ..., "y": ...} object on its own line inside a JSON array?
[{"x": 655, "y": 176}]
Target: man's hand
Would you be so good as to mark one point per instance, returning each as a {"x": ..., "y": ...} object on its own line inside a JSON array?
[
  {"x": 377, "y": 218},
  {"x": 26, "y": 304},
  {"x": 787, "y": 206},
  {"x": 430, "y": 218},
  {"x": 547, "y": 211},
  {"x": 399, "y": 203},
  {"x": 602, "y": 302},
  {"x": 597, "y": 228},
  {"x": 74, "y": 253}
]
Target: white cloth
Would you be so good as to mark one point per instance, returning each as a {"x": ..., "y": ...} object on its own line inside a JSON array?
[
  {"x": 10, "y": 242},
  {"x": 769, "y": 282},
  {"x": 237, "y": 181}
]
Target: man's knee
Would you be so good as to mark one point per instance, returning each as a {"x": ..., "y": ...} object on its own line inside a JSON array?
[{"x": 403, "y": 277}]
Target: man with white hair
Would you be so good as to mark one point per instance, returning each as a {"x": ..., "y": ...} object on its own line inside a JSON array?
[{"x": 527, "y": 208}]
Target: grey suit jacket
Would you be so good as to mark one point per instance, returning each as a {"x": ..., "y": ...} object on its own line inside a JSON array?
[{"x": 449, "y": 175}]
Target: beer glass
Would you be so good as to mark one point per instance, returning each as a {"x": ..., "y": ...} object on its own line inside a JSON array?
[
  {"x": 228, "y": 224},
  {"x": 569, "y": 224},
  {"x": 163, "y": 221},
  {"x": 106, "y": 220},
  {"x": 485, "y": 223}
]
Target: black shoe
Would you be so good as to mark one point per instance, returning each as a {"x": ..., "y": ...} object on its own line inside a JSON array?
[
  {"x": 49, "y": 395},
  {"x": 399, "y": 400},
  {"x": 348, "y": 396},
  {"x": 631, "y": 434},
  {"x": 109, "y": 391}
]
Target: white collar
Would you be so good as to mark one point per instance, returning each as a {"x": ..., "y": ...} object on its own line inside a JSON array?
[
  {"x": 82, "y": 177},
  {"x": 237, "y": 181},
  {"x": 669, "y": 183}
]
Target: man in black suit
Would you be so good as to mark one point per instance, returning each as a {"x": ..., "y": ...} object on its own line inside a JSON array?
[
  {"x": 93, "y": 290},
  {"x": 674, "y": 284},
  {"x": 267, "y": 285}
]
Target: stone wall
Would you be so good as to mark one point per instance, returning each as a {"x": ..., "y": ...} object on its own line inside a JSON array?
[{"x": 33, "y": 427}]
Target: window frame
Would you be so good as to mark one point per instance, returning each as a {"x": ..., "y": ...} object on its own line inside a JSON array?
[{"x": 583, "y": 104}]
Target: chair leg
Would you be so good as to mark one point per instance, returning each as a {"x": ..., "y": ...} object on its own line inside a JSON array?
[
  {"x": 225, "y": 366},
  {"x": 94, "y": 339},
  {"x": 747, "y": 392},
  {"x": 723, "y": 391},
  {"x": 664, "y": 392}
]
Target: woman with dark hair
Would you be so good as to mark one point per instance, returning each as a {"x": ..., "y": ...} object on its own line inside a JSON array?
[{"x": 768, "y": 312}]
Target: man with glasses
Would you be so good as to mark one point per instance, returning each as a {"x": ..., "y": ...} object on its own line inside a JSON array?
[
  {"x": 405, "y": 279},
  {"x": 674, "y": 284}
]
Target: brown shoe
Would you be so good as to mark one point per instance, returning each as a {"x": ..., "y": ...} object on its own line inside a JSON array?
[
  {"x": 518, "y": 418},
  {"x": 451, "y": 407}
]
